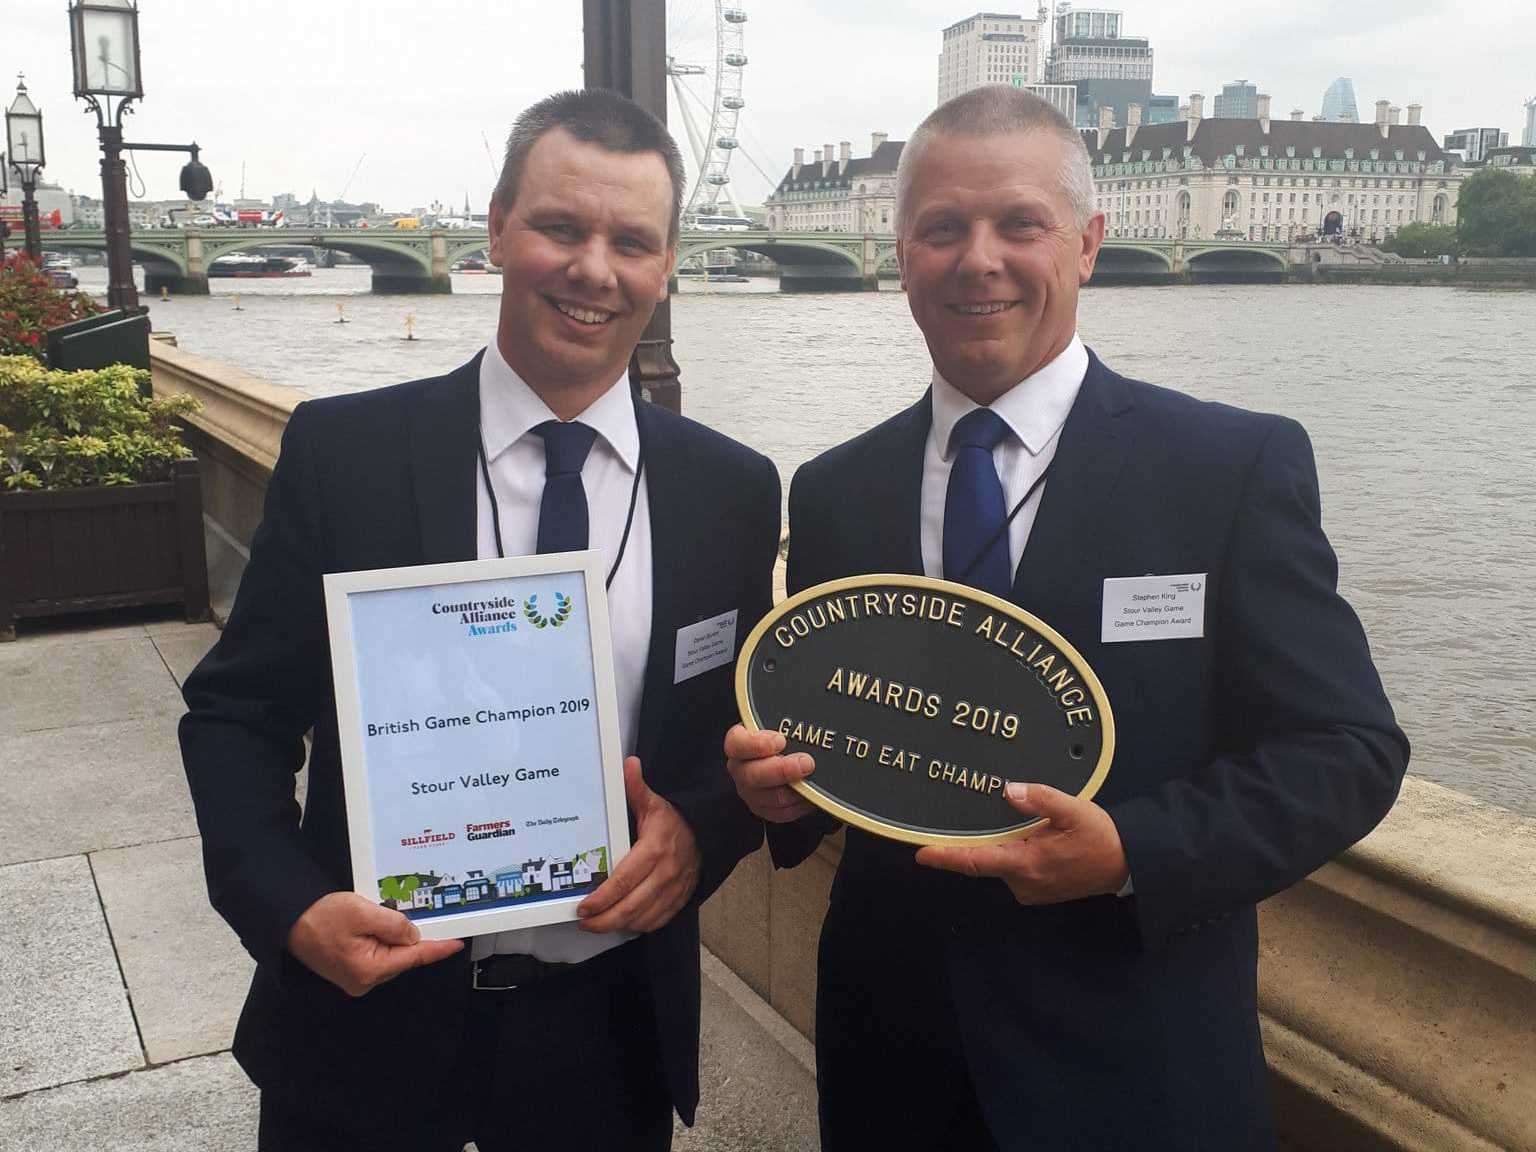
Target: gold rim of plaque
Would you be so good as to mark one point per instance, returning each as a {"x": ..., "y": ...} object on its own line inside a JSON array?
[{"x": 900, "y": 832}]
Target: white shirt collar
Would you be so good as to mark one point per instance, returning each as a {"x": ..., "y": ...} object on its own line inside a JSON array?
[
  {"x": 1034, "y": 409},
  {"x": 510, "y": 409}
]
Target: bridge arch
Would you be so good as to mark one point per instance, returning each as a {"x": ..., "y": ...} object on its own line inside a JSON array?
[
  {"x": 1232, "y": 264},
  {"x": 1122, "y": 263}
]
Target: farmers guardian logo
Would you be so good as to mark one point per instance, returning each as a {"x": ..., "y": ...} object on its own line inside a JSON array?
[{"x": 499, "y": 615}]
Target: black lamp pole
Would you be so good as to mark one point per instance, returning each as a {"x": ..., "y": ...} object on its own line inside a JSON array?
[
  {"x": 24, "y": 132},
  {"x": 626, "y": 50},
  {"x": 104, "y": 47}
]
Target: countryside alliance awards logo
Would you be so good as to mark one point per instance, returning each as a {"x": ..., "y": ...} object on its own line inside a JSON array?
[{"x": 499, "y": 615}]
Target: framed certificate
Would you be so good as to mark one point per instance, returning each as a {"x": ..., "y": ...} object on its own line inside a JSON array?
[{"x": 479, "y": 739}]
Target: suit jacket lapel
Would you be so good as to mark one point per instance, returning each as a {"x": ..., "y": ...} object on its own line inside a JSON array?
[
  {"x": 900, "y": 547},
  {"x": 674, "y": 560},
  {"x": 1074, "y": 507},
  {"x": 444, "y": 438}
]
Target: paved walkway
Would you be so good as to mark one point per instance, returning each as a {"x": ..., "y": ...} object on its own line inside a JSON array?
[{"x": 119, "y": 986}]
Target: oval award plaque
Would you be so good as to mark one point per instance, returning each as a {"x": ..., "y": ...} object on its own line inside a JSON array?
[{"x": 919, "y": 700}]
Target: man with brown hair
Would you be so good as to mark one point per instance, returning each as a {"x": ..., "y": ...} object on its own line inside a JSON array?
[{"x": 578, "y": 1035}]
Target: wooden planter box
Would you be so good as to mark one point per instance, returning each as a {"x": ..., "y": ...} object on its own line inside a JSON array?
[{"x": 87, "y": 549}]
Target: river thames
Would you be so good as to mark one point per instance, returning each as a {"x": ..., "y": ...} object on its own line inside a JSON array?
[{"x": 1421, "y": 403}]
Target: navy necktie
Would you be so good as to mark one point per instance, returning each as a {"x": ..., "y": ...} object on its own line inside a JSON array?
[
  {"x": 974, "y": 509},
  {"x": 563, "y": 507}
]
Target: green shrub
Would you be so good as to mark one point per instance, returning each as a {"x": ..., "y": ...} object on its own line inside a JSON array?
[
  {"x": 81, "y": 429},
  {"x": 30, "y": 305}
]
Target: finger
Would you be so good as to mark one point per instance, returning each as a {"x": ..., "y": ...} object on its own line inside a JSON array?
[
  {"x": 629, "y": 913},
  {"x": 636, "y": 790},
  {"x": 625, "y": 879},
  {"x": 397, "y": 960},
  {"x": 741, "y": 744},
  {"x": 1062, "y": 809},
  {"x": 772, "y": 772},
  {"x": 989, "y": 860},
  {"x": 387, "y": 925}
]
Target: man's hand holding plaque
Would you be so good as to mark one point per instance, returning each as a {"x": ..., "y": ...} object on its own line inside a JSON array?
[
  {"x": 1076, "y": 854},
  {"x": 764, "y": 777}
]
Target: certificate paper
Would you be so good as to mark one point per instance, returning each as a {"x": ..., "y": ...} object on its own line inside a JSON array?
[{"x": 479, "y": 739}]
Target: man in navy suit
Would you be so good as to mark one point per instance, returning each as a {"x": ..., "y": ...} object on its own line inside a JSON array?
[
  {"x": 1092, "y": 987},
  {"x": 578, "y": 1035}
]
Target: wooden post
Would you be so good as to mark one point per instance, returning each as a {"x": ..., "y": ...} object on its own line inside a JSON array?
[{"x": 626, "y": 50}]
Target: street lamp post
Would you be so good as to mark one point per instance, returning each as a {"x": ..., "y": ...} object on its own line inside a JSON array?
[
  {"x": 24, "y": 135},
  {"x": 104, "y": 46},
  {"x": 625, "y": 44}
]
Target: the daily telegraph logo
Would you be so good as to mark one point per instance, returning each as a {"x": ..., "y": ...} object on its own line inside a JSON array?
[
  {"x": 427, "y": 838},
  {"x": 499, "y": 615}
]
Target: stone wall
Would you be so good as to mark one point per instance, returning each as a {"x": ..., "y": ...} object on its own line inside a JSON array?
[{"x": 1397, "y": 984}]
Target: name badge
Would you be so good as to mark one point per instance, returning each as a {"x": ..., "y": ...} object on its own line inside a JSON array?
[
  {"x": 1154, "y": 608},
  {"x": 705, "y": 645}
]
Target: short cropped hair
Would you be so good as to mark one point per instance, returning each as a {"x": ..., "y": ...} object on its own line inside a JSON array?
[
  {"x": 598, "y": 116},
  {"x": 997, "y": 110}
]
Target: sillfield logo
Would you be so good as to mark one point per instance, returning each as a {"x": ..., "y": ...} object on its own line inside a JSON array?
[
  {"x": 499, "y": 615},
  {"x": 427, "y": 837}
]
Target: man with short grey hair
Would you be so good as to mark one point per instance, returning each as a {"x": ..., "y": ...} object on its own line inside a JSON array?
[{"x": 1092, "y": 987}]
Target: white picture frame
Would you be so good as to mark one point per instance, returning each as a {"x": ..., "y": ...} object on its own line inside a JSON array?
[{"x": 443, "y": 674}]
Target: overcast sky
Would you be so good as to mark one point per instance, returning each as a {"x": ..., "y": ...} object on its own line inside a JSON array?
[{"x": 297, "y": 93}]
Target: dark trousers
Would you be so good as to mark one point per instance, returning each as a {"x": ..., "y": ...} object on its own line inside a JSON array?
[
  {"x": 571, "y": 1062},
  {"x": 890, "y": 1067}
]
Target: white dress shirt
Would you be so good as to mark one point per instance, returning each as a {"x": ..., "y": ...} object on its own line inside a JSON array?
[
  {"x": 1034, "y": 410},
  {"x": 509, "y": 410}
]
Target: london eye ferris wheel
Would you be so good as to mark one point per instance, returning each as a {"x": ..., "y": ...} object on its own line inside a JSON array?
[{"x": 706, "y": 57}]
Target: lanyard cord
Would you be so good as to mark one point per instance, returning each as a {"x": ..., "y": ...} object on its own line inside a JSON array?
[
  {"x": 975, "y": 560},
  {"x": 629, "y": 519}
]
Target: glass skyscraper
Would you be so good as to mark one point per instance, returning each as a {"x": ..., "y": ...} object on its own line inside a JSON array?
[{"x": 1339, "y": 102}]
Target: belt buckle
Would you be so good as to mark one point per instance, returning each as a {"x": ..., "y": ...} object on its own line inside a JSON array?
[{"x": 475, "y": 985}]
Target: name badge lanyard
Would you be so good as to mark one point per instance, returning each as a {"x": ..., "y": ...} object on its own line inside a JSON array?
[
  {"x": 629, "y": 518},
  {"x": 993, "y": 539}
]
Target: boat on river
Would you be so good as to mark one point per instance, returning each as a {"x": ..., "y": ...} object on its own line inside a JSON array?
[{"x": 248, "y": 265}]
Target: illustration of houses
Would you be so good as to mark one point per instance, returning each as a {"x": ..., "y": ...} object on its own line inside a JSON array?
[
  {"x": 536, "y": 876},
  {"x": 581, "y": 871},
  {"x": 422, "y": 897},
  {"x": 476, "y": 886},
  {"x": 446, "y": 896},
  {"x": 509, "y": 885},
  {"x": 560, "y": 877}
]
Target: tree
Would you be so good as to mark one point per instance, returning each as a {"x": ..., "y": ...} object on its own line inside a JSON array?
[
  {"x": 1423, "y": 241},
  {"x": 1496, "y": 214}
]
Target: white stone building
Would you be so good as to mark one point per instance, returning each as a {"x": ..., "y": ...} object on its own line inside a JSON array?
[
  {"x": 1270, "y": 180},
  {"x": 838, "y": 192},
  {"x": 989, "y": 48}
]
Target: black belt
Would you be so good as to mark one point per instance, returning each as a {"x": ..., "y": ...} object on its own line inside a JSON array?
[{"x": 504, "y": 971}]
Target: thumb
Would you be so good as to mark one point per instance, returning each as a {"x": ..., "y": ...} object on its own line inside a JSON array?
[
  {"x": 390, "y": 927},
  {"x": 636, "y": 790},
  {"x": 1058, "y": 807}
]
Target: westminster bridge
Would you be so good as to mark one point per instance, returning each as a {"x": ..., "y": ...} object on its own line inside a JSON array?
[{"x": 420, "y": 260}]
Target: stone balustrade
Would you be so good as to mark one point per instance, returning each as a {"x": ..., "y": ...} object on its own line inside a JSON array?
[{"x": 1397, "y": 984}]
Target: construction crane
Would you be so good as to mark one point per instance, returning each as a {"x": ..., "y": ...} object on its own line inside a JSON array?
[{"x": 330, "y": 219}]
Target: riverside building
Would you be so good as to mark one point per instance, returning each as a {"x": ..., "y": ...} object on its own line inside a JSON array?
[
  {"x": 1269, "y": 180},
  {"x": 837, "y": 191},
  {"x": 989, "y": 48}
]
